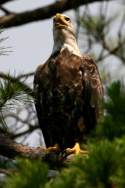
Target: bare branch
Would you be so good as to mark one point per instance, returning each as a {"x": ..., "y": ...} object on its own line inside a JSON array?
[
  {"x": 5, "y": 1},
  {"x": 26, "y": 75},
  {"x": 17, "y": 19},
  {"x": 5, "y": 10},
  {"x": 29, "y": 131},
  {"x": 112, "y": 51},
  {"x": 10, "y": 149}
]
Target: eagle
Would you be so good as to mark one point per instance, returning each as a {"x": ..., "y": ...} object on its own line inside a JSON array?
[{"x": 68, "y": 90}]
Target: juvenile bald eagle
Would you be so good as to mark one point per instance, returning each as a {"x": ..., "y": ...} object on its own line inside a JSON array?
[{"x": 67, "y": 89}]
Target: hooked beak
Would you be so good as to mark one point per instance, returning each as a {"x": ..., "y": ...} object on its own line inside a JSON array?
[{"x": 59, "y": 21}]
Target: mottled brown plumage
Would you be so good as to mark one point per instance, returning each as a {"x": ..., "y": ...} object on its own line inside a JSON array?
[{"x": 68, "y": 91}]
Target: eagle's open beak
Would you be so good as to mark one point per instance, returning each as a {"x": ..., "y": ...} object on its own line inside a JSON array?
[{"x": 59, "y": 21}]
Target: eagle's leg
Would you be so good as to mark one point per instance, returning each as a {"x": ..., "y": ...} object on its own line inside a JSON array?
[{"x": 75, "y": 150}]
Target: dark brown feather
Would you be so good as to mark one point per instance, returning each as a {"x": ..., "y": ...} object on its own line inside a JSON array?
[{"x": 68, "y": 90}]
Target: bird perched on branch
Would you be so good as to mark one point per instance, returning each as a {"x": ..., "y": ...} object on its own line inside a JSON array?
[{"x": 67, "y": 90}]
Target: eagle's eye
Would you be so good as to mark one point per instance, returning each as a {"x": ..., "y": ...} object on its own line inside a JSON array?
[{"x": 67, "y": 19}]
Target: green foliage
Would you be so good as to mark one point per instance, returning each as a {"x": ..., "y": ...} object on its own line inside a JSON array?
[
  {"x": 118, "y": 177},
  {"x": 11, "y": 92},
  {"x": 32, "y": 174},
  {"x": 113, "y": 124},
  {"x": 95, "y": 24},
  {"x": 104, "y": 167}
]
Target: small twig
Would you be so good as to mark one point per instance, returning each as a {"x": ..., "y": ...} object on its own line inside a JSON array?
[
  {"x": 112, "y": 51},
  {"x": 25, "y": 75},
  {"x": 28, "y": 131}
]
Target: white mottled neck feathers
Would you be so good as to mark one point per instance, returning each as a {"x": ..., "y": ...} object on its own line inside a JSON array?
[{"x": 66, "y": 41}]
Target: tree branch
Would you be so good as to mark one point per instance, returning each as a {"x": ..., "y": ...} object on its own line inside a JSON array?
[
  {"x": 4, "y": 1},
  {"x": 7, "y": 12},
  {"x": 11, "y": 149},
  {"x": 17, "y": 19}
]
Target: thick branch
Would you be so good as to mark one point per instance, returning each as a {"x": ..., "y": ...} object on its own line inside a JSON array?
[
  {"x": 4, "y": 1},
  {"x": 16, "y": 19},
  {"x": 11, "y": 149},
  {"x": 7, "y": 12}
]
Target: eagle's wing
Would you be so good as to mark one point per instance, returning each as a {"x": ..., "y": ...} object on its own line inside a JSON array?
[
  {"x": 40, "y": 80},
  {"x": 93, "y": 84},
  {"x": 68, "y": 91}
]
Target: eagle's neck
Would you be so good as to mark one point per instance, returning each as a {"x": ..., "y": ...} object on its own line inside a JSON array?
[{"x": 69, "y": 43}]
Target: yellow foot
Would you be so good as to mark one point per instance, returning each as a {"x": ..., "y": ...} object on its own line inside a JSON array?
[
  {"x": 75, "y": 150},
  {"x": 52, "y": 149}
]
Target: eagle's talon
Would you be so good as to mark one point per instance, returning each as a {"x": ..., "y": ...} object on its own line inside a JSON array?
[
  {"x": 53, "y": 149},
  {"x": 75, "y": 150}
]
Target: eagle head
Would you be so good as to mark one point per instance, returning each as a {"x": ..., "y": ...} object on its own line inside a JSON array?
[
  {"x": 62, "y": 22},
  {"x": 64, "y": 34}
]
